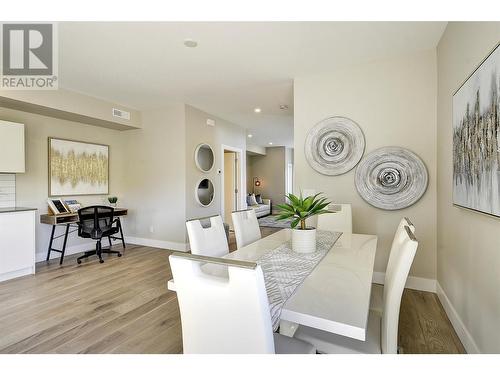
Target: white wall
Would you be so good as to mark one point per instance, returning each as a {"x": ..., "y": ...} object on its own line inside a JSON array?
[
  {"x": 223, "y": 133},
  {"x": 468, "y": 243},
  {"x": 71, "y": 106},
  {"x": 152, "y": 171},
  {"x": 155, "y": 178},
  {"x": 32, "y": 186},
  {"x": 394, "y": 102},
  {"x": 288, "y": 176}
]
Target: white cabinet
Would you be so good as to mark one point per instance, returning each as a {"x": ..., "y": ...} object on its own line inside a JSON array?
[
  {"x": 17, "y": 242},
  {"x": 11, "y": 147}
]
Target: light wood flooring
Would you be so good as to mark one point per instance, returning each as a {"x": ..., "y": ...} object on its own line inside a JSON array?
[{"x": 123, "y": 306}]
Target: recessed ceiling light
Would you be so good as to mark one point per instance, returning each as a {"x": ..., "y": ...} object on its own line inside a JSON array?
[
  {"x": 257, "y": 110},
  {"x": 271, "y": 143},
  {"x": 190, "y": 43},
  {"x": 250, "y": 135}
]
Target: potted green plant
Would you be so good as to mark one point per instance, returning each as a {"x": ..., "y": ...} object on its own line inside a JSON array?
[
  {"x": 113, "y": 200},
  {"x": 299, "y": 210}
]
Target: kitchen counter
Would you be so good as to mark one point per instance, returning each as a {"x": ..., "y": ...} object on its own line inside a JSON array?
[
  {"x": 16, "y": 209},
  {"x": 17, "y": 242}
]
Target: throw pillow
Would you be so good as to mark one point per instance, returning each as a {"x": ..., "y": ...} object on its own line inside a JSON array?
[
  {"x": 258, "y": 198},
  {"x": 251, "y": 200}
]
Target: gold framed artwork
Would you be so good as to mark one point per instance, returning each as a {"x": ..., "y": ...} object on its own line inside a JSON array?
[{"x": 77, "y": 168}]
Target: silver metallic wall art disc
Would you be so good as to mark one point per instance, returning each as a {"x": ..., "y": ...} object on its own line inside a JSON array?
[
  {"x": 391, "y": 178},
  {"x": 334, "y": 145}
]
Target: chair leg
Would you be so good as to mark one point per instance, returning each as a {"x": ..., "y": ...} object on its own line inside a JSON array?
[
  {"x": 106, "y": 251},
  {"x": 85, "y": 256},
  {"x": 109, "y": 251},
  {"x": 99, "y": 251}
]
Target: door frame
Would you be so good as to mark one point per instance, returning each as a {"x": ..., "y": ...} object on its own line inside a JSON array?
[{"x": 241, "y": 171}]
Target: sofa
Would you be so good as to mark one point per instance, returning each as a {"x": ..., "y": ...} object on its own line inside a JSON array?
[{"x": 263, "y": 209}]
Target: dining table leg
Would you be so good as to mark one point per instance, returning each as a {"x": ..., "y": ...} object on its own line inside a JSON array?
[{"x": 288, "y": 328}]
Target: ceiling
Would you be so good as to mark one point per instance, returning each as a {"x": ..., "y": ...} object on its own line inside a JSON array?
[{"x": 236, "y": 66}]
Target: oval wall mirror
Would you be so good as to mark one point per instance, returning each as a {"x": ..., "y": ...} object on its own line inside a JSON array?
[
  {"x": 204, "y": 157},
  {"x": 205, "y": 192}
]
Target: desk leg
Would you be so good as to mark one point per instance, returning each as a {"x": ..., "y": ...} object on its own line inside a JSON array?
[
  {"x": 50, "y": 242},
  {"x": 64, "y": 244},
  {"x": 121, "y": 233}
]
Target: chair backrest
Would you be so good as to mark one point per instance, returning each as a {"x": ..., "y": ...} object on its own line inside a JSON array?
[
  {"x": 222, "y": 314},
  {"x": 95, "y": 220},
  {"x": 210, "y": 241},
  {"x": 246, "y": 227},
  {"x": 400, "y": 234},
  {"x": 406, "y": 247},
  {"x": 338, "y": 221}
]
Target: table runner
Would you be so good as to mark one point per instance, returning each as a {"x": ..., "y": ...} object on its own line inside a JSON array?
[{"x": 284, "y": 270}]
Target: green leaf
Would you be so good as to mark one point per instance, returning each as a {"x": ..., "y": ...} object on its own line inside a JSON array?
[
  {"x": 319, "y": 207},
  {"x": 295, "y": 201},
  {"x": 286, "y": 207},
  {"x": 317, "y": 202},
  {"x": 308, "y": 202},
  {"x": 323, "y": 212},
  {"x": 294, "y": 223},
  {"x": 301, "y": 208},
  {"x": 284, "y": 216}
]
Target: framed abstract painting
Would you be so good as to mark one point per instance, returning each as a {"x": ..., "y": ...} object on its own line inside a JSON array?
[
  {"x": 77, "y": 168},
  {"x": 476, "y": 138}
]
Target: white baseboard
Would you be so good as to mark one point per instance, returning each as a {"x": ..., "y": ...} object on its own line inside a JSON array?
[
  {"x": 17, "y": 273},
  {"x": 413, "y": 282},
  {"x": 75, "y": 249},
  {"x": 460, "y": 328},
  {"x": 157, "y": 243}
]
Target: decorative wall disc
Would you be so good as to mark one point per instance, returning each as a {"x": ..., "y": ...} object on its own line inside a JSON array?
[
  {"x": 391, "y": 178},
  {"x": 334, "y": 145}
]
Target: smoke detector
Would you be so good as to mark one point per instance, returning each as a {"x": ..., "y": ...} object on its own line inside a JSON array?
[{"x": 190, "y": 43}]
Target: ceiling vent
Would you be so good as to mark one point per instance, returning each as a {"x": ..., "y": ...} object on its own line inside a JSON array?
[{"x": 124, "y": 115}]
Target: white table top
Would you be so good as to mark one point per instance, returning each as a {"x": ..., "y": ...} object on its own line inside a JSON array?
[{"x": 335, "y": 297}]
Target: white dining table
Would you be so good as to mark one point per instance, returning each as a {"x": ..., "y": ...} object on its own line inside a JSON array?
[{"x": 335, "y": 296}]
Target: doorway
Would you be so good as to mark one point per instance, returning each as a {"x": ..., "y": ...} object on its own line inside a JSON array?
[
  {"x": 230, "y": 185},
  {"x": 289, "y": 180},
  {"x": 232, "y": 175}
]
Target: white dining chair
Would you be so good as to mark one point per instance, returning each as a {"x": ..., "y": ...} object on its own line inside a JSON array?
[
  {"x": 339, "y": 221},
  {"x": 376, "y": 298},
  {"x": 246, "y": 227},
  {"x": 224, "y": 315},
  {"x": 210, "y": 241},
  {"x": 382, "y": 331}
]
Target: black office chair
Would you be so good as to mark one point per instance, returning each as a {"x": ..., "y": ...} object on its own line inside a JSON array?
[{"x": 97, "y": 222}]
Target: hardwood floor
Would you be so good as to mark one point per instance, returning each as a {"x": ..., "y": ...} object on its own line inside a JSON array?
[
  {"x": 123, "y": 306},
  {"x": 120, "y": 306},
  {"x": 424, "y": 326}
]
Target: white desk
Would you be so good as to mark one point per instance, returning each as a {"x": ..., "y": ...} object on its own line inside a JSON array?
[{"x": 335, "y": 297}]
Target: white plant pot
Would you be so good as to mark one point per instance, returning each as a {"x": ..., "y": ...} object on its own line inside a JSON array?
[{"x": 304, "y": 240}]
